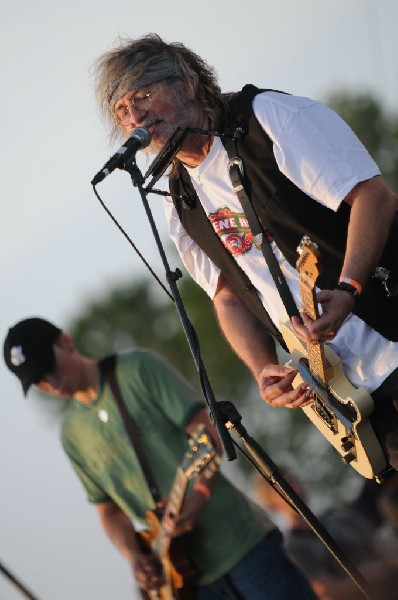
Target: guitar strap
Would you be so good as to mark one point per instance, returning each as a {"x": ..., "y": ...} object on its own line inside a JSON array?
[
  {"x": 260, "y": 234},
  {"x": 107, "y": 368}
]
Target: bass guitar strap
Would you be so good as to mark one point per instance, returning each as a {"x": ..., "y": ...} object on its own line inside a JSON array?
[{"x": 107, "y": 368}]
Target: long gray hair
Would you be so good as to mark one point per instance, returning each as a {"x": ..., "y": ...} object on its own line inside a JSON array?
[{"x": 149, "y": 59}]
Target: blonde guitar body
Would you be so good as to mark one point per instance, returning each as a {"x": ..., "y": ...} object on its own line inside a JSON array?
[
  {"x": 340, "y": 411},
  {"x": 342, "y": 415}
]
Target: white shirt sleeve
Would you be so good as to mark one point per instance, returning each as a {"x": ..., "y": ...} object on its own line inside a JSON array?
[
  {"x": 197, "y": 263},
  {"x": 314, "y": 147}
]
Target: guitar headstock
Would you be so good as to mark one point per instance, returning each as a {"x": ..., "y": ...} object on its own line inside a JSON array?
[
  {"x": 309, "y": 261},
  {"x": 201, "y": 455}
]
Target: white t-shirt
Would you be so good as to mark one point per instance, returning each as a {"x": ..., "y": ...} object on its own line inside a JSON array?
[{"x": 316, "y": 150}]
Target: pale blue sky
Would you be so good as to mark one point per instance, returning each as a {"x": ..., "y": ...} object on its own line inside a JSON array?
[{"x": 58, "y": 248}]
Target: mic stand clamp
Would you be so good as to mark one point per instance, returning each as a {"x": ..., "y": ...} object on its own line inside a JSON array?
[{"x": 135, "y": 173}]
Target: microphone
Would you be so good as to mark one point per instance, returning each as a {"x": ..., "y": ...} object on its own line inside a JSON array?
[
  {"x": 165, "y": 156},
  {"x": 138, "y": 138}
]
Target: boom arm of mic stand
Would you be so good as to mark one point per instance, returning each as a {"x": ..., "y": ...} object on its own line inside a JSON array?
[{"x": 172, "y": 277}]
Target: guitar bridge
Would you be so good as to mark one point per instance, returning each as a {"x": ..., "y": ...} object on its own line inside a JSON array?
[
  {"x": 324, "y": 413},
  {"x": 326, "y": 404}
]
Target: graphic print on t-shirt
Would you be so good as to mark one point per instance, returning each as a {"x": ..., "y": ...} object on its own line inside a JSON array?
[{"x": 233, "y": 230}]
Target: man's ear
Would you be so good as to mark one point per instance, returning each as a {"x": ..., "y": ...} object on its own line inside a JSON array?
[{"x": 65, "y": 341}]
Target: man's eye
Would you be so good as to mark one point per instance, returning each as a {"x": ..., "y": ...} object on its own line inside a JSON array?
[{"x": 142, "y": 97}]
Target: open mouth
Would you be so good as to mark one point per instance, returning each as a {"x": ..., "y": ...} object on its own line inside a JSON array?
[{"x": 151, "y": 125}]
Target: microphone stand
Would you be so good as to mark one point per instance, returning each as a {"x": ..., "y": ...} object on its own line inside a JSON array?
[
  {"x": 172, "y": 278},
  {"x": 224, "y": 414},
  {"x": 17, "y": 583}
]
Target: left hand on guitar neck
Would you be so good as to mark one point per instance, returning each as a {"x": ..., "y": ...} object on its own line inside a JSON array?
[
  {"x": 194, "y": 504},
  {"x": 336, "y": 306}
]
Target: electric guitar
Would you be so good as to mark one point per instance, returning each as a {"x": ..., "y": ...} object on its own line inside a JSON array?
[
  {"x": 340, "y": 411},
  {"x": 178, "y": 573}
]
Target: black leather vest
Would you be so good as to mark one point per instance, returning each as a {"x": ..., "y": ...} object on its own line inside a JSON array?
[{"x": 288, "y": 214}]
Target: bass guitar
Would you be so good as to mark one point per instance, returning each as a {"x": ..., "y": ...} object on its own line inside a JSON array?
[
  {"x": 178, "y": 573},
  {"x": 340, "y": 410}
]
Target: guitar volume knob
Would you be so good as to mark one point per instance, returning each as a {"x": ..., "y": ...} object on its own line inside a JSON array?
[
  {"x": 349, "y": 457},
  {"x": 346, "y": 444}
]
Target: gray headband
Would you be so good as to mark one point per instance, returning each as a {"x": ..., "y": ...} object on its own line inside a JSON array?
[{"x": 163, "y": 67}]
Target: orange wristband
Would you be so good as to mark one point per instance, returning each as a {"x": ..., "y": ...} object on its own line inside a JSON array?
[
  {"x": 352, "y": 282},
  {"x": 201, "y": 487}
]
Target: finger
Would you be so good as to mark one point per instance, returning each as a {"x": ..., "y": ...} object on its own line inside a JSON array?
[
  {"x": 274, "y": 370},
  {"x": 154, "y": 582},
  {"x": 148, "y": 574},
  {"x": 274, "y": 380},
  {"x": 303, "y": 331},
  {"x": 150, "y": 569},
  {"x": 292, "y": 398},
  {"x": 185, "y": 521},
  {"x": 281, "y": 386},
  {"x": 323, "y": 334},
  {"x": 324, "y": 296},
  {"x": 303, "y": 400},
  {"x": 162, "y": 503},
  {"x": 301, "y": 327},
  {"x": 296, "y": 321}
]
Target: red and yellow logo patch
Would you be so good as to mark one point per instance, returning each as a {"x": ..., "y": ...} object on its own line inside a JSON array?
[{"x": 233, "y": 230}]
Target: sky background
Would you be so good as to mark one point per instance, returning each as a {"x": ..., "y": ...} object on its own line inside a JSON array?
[{"x": 58, "y": 249}]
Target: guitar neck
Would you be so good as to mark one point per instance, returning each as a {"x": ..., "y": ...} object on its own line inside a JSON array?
[
  {"x": 315, "y": 351},
  {"x": 161, "y": 544}
]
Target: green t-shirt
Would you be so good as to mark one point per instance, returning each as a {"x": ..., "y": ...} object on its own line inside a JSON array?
[{"x": 161, "y": 403}]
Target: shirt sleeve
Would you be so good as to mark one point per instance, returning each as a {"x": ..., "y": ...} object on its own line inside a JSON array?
[
  {"x": 200, "y": 267},
  {"x": 95, "y": 494},
  {"x": 314, "y": 147},
  {"x": 168, "y": 389}
]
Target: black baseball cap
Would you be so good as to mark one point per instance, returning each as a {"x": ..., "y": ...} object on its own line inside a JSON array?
[{"x": 28, "y": 350}]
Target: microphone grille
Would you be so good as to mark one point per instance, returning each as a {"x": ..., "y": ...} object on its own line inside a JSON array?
[{"x": 142, "y": 135}]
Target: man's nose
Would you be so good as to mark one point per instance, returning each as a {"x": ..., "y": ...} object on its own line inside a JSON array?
[{"x": 137, "y": 116}]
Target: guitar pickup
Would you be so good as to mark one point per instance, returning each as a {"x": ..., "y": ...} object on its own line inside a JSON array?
[
  {"x": 326, "y": 404},
  {"x": 324, "y": 413}
]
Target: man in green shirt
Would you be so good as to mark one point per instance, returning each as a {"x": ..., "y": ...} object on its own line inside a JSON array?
[{"x": 231, "y": 543}]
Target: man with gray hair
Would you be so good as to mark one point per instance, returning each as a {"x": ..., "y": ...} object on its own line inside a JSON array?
[{"x": 299, "y": 170}]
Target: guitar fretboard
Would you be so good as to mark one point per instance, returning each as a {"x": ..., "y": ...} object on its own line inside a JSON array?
[
  {"x": 315, "y": 351},
  {"x": 161, "y": 543}
]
